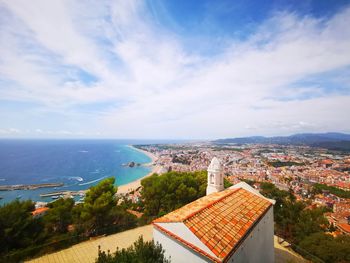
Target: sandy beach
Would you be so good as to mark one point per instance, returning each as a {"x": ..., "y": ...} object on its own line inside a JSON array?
[{"x": 123, "y": 189}]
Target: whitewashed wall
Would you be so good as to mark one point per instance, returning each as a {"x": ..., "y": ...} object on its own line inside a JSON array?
[
  {"x": 258, "y": 246},
  {"x": 177, "y": 252}
]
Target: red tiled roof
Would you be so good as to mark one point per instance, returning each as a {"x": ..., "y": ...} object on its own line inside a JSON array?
[
  {"x": 327, "y": 161},
  {"x": 39, "y": 210},
  {"x": 344, "y": 227},
  {"x": 221, "y": 220}
]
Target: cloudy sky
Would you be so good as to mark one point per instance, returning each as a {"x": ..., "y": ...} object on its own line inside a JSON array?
[{"x": 173, "y": 69}]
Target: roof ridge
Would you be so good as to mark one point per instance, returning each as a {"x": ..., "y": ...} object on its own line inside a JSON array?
[{"x": 212, "y": 203}]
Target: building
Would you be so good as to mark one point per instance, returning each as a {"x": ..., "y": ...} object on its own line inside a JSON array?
[
  {"x": 344, "y": 228},
  {"x": 39, "y": 212},
  {"x": 215, "y": 177},
  {"x": 233, "y": 225}
]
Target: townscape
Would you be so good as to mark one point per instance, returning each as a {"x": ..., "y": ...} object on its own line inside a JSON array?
[
  {"x": 292, "y": 168},
  {"x": 175, "y": 131}
]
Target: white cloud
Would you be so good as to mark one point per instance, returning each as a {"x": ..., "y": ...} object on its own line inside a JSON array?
[{"x": 163, "y": 89}]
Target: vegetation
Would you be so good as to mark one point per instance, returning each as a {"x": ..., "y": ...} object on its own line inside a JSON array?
[
  {"x": 59, "y": 216},
  {"x": 223, "y": 148},
  {"x": 319, "y": 188},
  {"x": 181, "y": 159},
  {"x": 140, "y": 251},
  {"x": 100, "y": 210},
  {"x": 305, "y": 228},
  {"x": 328, "y": 248},
  {"x": 163, "y": 194},
  {"x": 227, "y": 183},
  {"x": 250, "y": 182},
  {"x": 282, "y": 164},
  {"x": 18, "y": 229},
  {"x": 22, "y": 235}
]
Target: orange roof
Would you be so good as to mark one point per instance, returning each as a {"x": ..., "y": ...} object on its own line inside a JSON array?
[
  {"x": 39, "y": 210},
  {"x": 220, "y": 220},
  {"x": 327, "y": 161},
  {"x": 344, "y": 227}
]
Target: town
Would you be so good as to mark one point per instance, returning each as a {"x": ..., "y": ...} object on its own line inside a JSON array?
[{"x": 311, "y": 174}]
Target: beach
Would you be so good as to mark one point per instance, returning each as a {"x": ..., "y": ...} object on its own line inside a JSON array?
[{"x": 126, "y": 188}]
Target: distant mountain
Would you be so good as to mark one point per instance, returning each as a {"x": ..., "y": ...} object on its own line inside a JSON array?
[{"x": 330, "y": 140}]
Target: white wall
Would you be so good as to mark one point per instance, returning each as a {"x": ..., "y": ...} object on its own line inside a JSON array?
[
  {"x": 177, "y": 252},
  {"x": 258, "y": 246}
]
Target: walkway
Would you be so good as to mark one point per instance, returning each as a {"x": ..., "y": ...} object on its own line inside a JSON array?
[{"x": 87, "y": 252}]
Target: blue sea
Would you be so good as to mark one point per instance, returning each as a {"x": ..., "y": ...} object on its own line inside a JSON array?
[{"x": 79, "y": 164}]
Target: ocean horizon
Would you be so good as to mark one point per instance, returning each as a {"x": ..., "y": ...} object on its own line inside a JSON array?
[{"x": 78, "y": 164}]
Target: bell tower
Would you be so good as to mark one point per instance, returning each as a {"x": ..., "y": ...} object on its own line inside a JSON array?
[{"x": 215, "y": 178}]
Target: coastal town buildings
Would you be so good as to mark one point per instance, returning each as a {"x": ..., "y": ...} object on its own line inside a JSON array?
[{"x": 291, "y": 168}]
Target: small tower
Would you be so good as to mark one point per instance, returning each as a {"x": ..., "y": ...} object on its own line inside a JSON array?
[{"x": 215, "y": 178}]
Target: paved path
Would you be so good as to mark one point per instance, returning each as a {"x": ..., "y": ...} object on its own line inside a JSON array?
[
  {"x": 86, "y": 252},
  {"x": 283, "y": 254}
]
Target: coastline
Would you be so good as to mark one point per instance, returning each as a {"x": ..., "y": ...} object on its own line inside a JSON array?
[{"x": 126, "y": 188}]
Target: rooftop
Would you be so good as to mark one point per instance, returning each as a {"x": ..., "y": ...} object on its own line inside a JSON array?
[
  {"x": 220, "y": 221},
  {"x": 39, "y": 211},
  {"x": 344, "y": 227}
]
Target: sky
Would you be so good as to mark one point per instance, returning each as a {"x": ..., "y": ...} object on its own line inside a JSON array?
[{"x": 173, "y": 69}]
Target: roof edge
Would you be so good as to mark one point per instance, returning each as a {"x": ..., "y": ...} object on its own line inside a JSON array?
[
  {"x": 247, "y": 187},
  {"x": 193, "y": 247}
]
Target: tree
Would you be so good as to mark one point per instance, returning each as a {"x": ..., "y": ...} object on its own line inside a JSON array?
[
  {"x": 140, "y": 251},
  {"x": 59, "y": 216},
  {"x": 293, "y": 221},
  {"x": 327, "y": 248},
  {"x": 98, "y": 208},
  {"x": 165, "y": 193},
  {"x": 18, "y": 228},
  {"x": 310, "y": 221}
]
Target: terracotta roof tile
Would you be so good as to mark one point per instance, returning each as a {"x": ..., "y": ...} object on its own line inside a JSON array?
[
  {"x": 39, "y": 211},
  {"x": 222, "y": 219},
  {"x": 345, "y": 227}
]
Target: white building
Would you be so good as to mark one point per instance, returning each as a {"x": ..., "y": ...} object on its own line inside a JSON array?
[
  {"x": 215, "y": 177},
  {"x": 233, "y": 225}
]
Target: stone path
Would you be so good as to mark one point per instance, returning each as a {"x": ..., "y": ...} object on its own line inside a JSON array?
[{"x": 86, "y": 252}]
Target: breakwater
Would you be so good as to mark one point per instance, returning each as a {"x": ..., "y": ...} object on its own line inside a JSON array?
[{"x": 28, "y": 186}]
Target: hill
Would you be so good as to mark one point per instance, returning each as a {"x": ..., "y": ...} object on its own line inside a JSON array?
[{"x": 330, "y": 140}]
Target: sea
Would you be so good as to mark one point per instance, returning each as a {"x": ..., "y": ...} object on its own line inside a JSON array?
[{"x": 78, "y": 164}]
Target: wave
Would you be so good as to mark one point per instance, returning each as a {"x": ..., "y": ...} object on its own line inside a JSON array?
[
  {"x": 83, "y": 151},
  {"x": 2, "y": 179},
  {"x": 94, "y": 181},
  {"x": 78, "y": 178}
]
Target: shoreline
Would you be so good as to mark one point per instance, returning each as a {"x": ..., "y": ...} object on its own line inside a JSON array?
[{"x": 129, "y": 187}]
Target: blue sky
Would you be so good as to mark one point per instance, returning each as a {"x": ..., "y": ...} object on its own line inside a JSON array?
[{"x": 173, "y": 69}]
